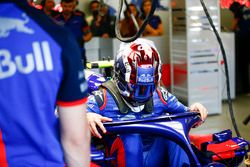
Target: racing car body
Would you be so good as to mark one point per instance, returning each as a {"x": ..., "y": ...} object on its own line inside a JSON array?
[{"x": 219, "y": 149}]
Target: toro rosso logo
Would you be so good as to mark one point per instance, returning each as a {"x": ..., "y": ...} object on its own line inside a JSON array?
[{"x": 14, "y": 24}]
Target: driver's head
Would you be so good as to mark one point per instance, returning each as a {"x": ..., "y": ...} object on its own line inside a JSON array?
[{"x": 137, "y": 70}]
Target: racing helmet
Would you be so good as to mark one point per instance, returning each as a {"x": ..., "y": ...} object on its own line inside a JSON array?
[{"x": 137, "y": 70}]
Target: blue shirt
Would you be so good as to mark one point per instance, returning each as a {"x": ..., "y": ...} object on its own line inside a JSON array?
[
  {"x": 154, "y": 21},
  {"x": 77, "y": 25},
  {"x": 38, "y": 68},
  {"x": 243, "y": 16}
]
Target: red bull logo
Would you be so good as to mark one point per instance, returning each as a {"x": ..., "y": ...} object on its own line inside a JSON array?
[
  {"x": 40, "y": 60},
  {"x": 14, "y": 24}
]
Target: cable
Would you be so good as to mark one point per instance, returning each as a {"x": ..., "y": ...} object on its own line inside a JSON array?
[
  {"x": 230, "y": 105},
  {"x": 141, "y": 29},
  {"x": 130, "y": 39},
  {"x": 246, "y": 120},
  {"x": 132, "y": 16}
]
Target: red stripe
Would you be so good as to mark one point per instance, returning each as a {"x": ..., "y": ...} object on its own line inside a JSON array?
[
  {"x": 118, "y": 147},
  {"x": 160, "y": 95},
  {"x": 3, "y": 159},
  {"x": 92, "y": 164},
  {"x": 197, "y": 140},
  {"x": 72, "y": 103},
  {"x": 105, "y": 100},
  {"x": 225, "y": 155},
  {"x": 228, "y": 145}
]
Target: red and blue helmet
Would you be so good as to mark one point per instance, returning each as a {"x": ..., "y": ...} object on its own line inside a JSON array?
[{"x": 137, "y": 70}]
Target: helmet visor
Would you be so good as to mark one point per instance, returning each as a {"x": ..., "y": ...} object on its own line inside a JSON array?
[{"x": 145, "y": 85}]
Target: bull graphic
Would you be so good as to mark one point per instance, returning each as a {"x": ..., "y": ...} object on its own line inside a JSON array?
[{"x": 14, "y": 24}]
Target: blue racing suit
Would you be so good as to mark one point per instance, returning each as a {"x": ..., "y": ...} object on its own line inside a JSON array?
[{"x": 161, "y": 152}]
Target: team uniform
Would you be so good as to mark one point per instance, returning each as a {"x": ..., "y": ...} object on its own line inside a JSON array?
[
  {"x": 242, "y": 47},
  {"x": 35, "y": 75},
  {"x": 78, "y": 25},
  {"x": 154, "y": 21},
  {"x": 243, "y": 16},
  {"x": 107, "y": 26},
  {"x": 103, "y": 102}
]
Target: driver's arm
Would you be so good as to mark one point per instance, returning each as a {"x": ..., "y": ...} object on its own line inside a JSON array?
[
  {"x": 95, "y": 119},
  {"x": 197, "y": 107},
  {"x": 174, "y": 106}
]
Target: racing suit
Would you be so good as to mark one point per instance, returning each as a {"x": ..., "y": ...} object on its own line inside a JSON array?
[{"x": 130, "y": 147}]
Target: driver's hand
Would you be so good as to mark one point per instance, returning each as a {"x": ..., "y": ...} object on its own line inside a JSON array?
[
  {"x": 197, "y": 107},
  {"x": 95, "y": 120}
]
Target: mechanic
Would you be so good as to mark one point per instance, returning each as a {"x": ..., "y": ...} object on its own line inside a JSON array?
[
  {"x": 135, "y": 93},
  {"x": 241, "y": 26},
  {"x": 40, "y": 70},
  {"x": 76, "y": 22}
]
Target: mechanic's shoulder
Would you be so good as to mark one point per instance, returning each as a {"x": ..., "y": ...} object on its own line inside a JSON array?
[{"x": 53, "y": 28}]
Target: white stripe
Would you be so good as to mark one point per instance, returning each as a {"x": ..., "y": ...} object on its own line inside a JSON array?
[
  {"x": 38, "y": 56},
  {"x": 47, "y": 56}
]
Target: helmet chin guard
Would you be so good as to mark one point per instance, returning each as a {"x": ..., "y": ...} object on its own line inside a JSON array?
[{"x": 137, "y": 70}]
